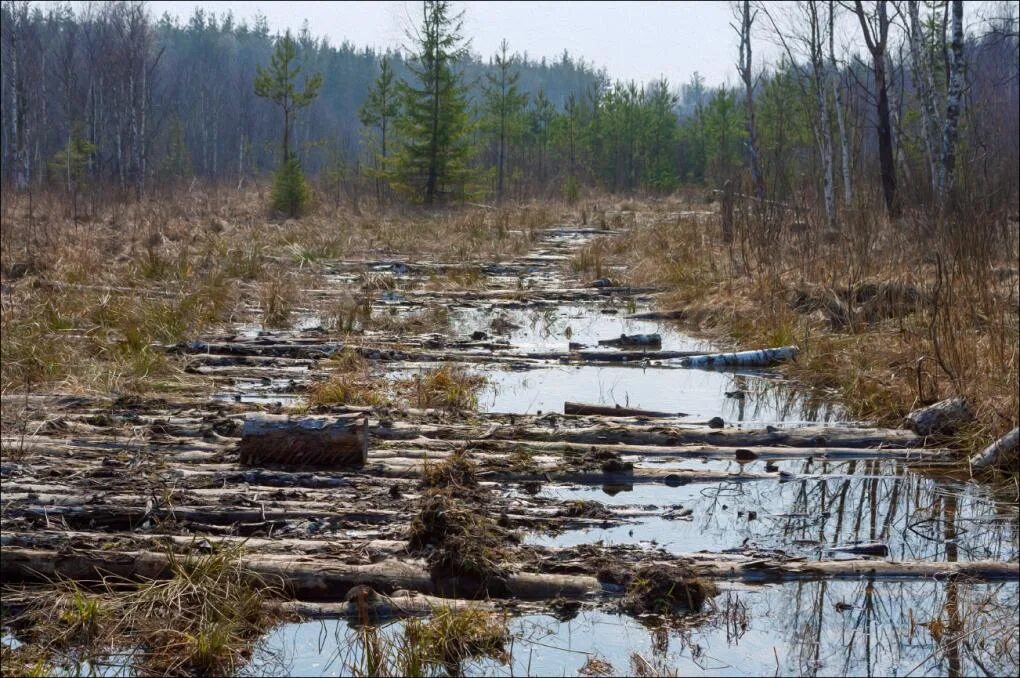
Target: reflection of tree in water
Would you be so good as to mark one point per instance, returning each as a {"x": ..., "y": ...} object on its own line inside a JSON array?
[{"x": 838, "y": 503}]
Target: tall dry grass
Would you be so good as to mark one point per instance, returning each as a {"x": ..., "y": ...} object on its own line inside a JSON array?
[
  {"x": 87, "y": 300},
  {"x": 889, "y": 315}
]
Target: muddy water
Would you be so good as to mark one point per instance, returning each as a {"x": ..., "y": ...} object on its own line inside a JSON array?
[{"x": 919, "y": 628}]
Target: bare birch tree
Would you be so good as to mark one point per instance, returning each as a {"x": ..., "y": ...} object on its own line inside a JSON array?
[
  {"x": 744, "y": 68},
  {"x": 953, "y": 99}
]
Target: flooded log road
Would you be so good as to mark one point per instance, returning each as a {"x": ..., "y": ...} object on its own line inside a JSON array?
[{"x": 765, "y": 490}]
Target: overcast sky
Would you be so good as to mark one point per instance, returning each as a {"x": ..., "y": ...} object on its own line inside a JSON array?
[{"x": 639, "y": 40}]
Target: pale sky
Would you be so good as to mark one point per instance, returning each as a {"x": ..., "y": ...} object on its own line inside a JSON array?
[{"x": 639, "y": 40}]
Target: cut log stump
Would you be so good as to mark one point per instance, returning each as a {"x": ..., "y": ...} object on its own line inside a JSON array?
[
  {"x": 760, "y": 358},
  {"x": 282, "y": 440}
]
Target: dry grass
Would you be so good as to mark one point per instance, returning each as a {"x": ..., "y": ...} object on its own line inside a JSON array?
[
  {"x": 448, "y": 387},
  {"x": 203, "y": 619},
  {"x": 352, "y": 382},
  {"x": 84, "y": 301},
  {"x": 435, "y": 646},
  {"x": 457, "y": 538},
  {"x": 888, "y": 316}
]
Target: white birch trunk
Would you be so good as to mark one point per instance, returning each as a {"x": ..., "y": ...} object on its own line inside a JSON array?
[
  {"x": 925, "y": 86},
  {"x": 953, "y": 96},
  {"x": 760, "y": 358},
  {"x": 840, "y": 122}
]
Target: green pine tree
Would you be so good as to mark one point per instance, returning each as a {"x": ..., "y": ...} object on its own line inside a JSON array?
[
  {"x": 278, "y": 83},
  {"x": 504, "y": 106},
  {"x": 379, "y": 111},
  {"x": 433, "y": 162}
]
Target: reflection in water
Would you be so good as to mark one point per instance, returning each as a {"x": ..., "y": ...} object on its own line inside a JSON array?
[
  {"x": 868, "y": 628},
  {"x": 830, "y": 504}
]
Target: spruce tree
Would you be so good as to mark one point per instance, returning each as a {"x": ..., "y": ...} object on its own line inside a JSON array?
[
  {"x": 278, "y": 83},
  {"x": 379, "y": 110},
  {"x": 504, "y": 105},
  {"x": 433, "y": 160}
]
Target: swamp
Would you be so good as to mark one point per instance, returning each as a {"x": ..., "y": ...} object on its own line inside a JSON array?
[{"x": 537, "y": 408}]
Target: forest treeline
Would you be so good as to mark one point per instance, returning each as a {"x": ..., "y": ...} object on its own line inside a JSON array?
[{"x": 108, "y": 94}]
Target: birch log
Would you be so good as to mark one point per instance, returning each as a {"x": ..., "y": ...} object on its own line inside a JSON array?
[
  {"x": 1002, "y": 450},
  {"x": 760, "y": 358}
]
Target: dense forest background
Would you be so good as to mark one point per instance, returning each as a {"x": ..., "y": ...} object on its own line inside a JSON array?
[{"x": 106, "y": 93}]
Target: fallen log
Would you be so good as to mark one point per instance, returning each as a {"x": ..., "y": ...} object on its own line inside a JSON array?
[
  {"x": 768, "y": 570},
  {"x": 304, "y": 577},
  {"x": 378, "y": 607},
  {"x": 633, "y": 340},
  {"x": 943, "y": 418},
  {"x": 636, "y": 434},
  {"x": 761, "y": 358},
  {"x": 870, "y": 549},
  {"x": 1003, "y": 452},
  {"x": 677, "y": 314},
  {"x": 615, "y": 411},
  {"x": 303, "y": 441}
]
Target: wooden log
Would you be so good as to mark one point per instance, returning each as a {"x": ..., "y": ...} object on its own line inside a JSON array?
[
  {"x": 303, "y": 441},
  {"x": 1003, "y": 452},
  {"x": 943, "y": 418},
  {"x": 677, "y": 314},
  {"x": 615, "y": 411},
  {"x": 648, "y": 340},
  {"x": 766, "y": 570},
  {"x": 761, "y": 358},
  {"x": 637, "y": 434},
  {"x": 304, "y": 577},
  {"x": 379, "y": 607},
  {"x": 870, "y": 549}
]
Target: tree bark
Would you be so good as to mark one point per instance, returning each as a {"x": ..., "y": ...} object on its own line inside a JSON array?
[
  {"x": 1002, "y": 452},
  {"x": 760, "y": 358},
  {"x": 953, "y": 99},
  {"x": 280, "y": 439}
]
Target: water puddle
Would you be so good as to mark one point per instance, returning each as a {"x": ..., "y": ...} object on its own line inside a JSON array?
[
  {"x": 919, "y": 628},
  {"x": 831, "y": 504},
  {"x": 552, "y": 327}
]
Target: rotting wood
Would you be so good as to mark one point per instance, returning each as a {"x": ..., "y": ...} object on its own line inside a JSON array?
[
  {"x": 302, "y": 441},
  {"x": 764, "y": 357},
  {"x": 615, "y": 411}
]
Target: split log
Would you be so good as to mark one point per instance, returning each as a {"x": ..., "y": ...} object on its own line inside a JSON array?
[
  {"x": 943, "y": 418},
  {"x": 303, "y": 441},
  {"x": 760, "y": 358},
  {"x": 1003, "y": 452},
  {"x": 615, "y": 411},
  {"x": 633, "y": 340}
]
